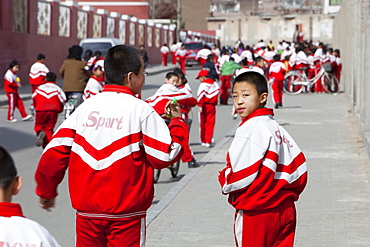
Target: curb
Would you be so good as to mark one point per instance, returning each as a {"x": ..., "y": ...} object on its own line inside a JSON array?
[{"x": 156, "y": 209}]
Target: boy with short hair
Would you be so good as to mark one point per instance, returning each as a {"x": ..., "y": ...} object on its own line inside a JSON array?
[
  {"x": 15, "y": 229},
  {"x": 48, "y": 100},
  {"x": 265, "y": 171},
  {"x": 207, "y": 97},
  {"x": 111, "y": 145}
]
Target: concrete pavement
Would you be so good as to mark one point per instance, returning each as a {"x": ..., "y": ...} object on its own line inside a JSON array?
[{"x": 334, "y": 209}]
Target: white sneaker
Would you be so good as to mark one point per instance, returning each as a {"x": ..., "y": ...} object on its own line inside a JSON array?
[
  {"x": 207, "y": 145},
  {"x": 28, "y": 117},
  {"x": 12, "y": 121}
]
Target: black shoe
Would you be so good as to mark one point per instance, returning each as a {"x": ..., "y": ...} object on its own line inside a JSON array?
[
  {"x": 276, "y": 105},
  {"x": 281, "y": 105},
  {"x": 193, "y": 164}
]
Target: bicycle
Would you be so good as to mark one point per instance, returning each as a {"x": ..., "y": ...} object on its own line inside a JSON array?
[
  {"x": 73, "y": 101},
  {"x": 296, "y": 81},
  {"x": 174, "y": 168}
]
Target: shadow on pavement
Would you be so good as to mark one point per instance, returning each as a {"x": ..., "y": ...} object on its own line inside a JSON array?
[{"x": 14, "y": 140}]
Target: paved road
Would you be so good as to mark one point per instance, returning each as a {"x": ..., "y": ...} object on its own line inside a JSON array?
[{"x": 334, "y": 210}]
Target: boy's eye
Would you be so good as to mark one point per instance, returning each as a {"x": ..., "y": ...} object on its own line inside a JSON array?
[{"x": 245, "y": 95}]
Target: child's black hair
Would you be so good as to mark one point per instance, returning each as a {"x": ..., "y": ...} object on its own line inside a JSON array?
[
  {"x": 7, "y": 169},
  {"x": 40, "y": 56},
  {"x": 14, "y": 63},
  {"x": 276, "y": 57},
  {"x": 255, "y": 79},
  {"x": 119, "y": 61},
  {"x": 181, "y": 75},
  {"x": 51, "y": 76},
  {"x": 169, "y": 75}
]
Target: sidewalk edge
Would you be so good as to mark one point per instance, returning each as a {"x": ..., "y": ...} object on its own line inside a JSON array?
[{"x": 155, "y": 210}]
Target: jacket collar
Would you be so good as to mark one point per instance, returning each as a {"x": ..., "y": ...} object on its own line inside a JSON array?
[
  {"x": 8, "y": 209},
  {"x": 258, "y": 112},
  {"x": 118, "y": 89}
]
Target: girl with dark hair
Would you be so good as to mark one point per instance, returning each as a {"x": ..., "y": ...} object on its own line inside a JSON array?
[{"x": 11, "y": 84}]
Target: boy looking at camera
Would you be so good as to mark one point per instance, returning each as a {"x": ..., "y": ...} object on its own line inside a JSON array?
[{"x": 265, "y": 171}]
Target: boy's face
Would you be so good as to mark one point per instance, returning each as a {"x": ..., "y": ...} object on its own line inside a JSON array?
[
  {"x": 246, "y": 98},
  {"x": 138, "y": 79},
  {"x": 174, "y": 80}
]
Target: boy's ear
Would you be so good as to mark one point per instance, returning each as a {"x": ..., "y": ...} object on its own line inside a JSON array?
[
  {"x": 17, "y": 185},
  {"x": 263, "y": 98}
]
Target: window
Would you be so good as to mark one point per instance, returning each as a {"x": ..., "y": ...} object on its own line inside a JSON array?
[{"x": 335, "y": 2}]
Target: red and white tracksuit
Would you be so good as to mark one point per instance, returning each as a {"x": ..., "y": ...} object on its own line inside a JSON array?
[
  {"x": 247, "y": 54},
  {"x": 110, "y": 145},
  {"x": 319, "y": 59},
  {"x": 14, "y": 100},
  {"x": 181, "y": 56},
  {"x": 164, "y": 51},
  {"x": 37, "y": 75},
  {"x": 202, "y": 55},
  {"x": 48, "y": 100},
  {"x": 277, "y": 71},
  {"x": 265, "y": 173},
  {"x": 184, "y": 98},
  {"x": 207, "y": 97},
  {"x": 17, "y": 230},
  {"x": 173, "y": 49},
  {"x": 93, "y": 87}
]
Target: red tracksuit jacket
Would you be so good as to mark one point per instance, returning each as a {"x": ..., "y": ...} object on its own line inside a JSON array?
[
  {"x": 264, "y": 165},
  {"x": 110, "y": 145}
]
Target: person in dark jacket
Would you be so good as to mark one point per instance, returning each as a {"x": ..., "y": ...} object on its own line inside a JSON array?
[{"x": 210, "y": 66}]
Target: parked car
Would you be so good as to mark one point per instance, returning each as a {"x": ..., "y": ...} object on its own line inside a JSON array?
[
  {"x": 192, "y": 49},
  {"x": 99, "y": 44}
]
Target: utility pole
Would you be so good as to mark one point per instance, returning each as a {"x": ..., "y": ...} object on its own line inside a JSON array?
[{"x": 178, "y": 28}]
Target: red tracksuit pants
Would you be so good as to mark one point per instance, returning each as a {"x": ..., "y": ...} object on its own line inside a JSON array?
[
  {"x": 272, "y": 227},
  {"x": 15, "y": 101},
  {"x": 173, "y": 58},
  {"x": 207, "y": 120},
  {"x": 188, "y": 153},
  {"x": 182, "y": 64},
  {"x": 277, "y": 91},
  {"x": 225, "y": 88},
  {"x": 164, "y": 59},
  {"x": 110, "y": 233},
  {"x": 45, "y": 121}
]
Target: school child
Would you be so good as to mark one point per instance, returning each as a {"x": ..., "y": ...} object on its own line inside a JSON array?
[
  {"x": 265, "y": 171},
  {"x": 276, "y": 74},
  {"x": 338, "y": 62},
  {"x": 207, "y": 97},
  {"x": 164, "y": 51},
  {"x": 181, "y": 56},
  {"x": 210, "y": 66},
  {"x": 111, "y": 145},
  {"x": 49, "y": 100},
  {"x": 15, "y": 228},
  {"x": 227, "y": 71},
  {"x": 202, "y": 55},
  {"x": 11, "y": 84},
  {"x": 96, "y": 81},
  {"x": 173, "y": 50},
  {"x": 172, "y": 88},
  {"x": 38, "y": 72}
]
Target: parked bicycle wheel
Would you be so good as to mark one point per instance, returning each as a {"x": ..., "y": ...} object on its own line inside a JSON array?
[
  {"x": 174, "y": 168},
  {"x": 157, "y": 173},
  {"x": 330, "y": 83},
  {"x": 293, "y": 83}
]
